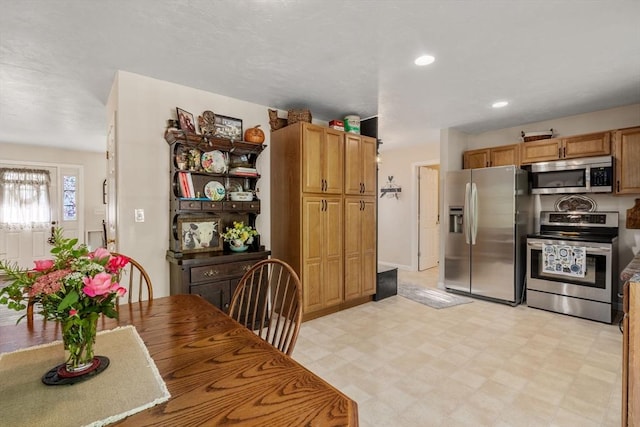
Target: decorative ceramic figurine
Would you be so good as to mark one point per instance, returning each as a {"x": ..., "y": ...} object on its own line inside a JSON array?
[
  {"x": 276, "y": 122},
  {"x": 207, "y": 123}
]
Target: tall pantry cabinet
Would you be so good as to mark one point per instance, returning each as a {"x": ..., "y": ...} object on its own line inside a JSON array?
[{"x": 323, "y": 208}]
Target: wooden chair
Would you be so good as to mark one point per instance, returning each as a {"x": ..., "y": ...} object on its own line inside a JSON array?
[
  {"x": 134, "y": 277},
  {"x": 268, "y": 301}
]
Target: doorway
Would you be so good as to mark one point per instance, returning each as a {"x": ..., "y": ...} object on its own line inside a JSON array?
[
  {"x": 23, "y": 246},
  {"x": 428, "y": 216}
]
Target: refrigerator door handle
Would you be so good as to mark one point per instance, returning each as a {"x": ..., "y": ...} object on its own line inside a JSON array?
[
  {"x": 474, "y": 213},
  {"x": 466, "y": 213}
]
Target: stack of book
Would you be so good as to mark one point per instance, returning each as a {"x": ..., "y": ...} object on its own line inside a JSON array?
[
  {"x": 186, "y": 184},
  {"x": 241, "y": 171}
]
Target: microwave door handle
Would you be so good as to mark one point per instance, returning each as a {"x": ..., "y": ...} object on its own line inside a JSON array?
[
  {"x": 474, "y": 209},
  {"x": 466, "y": 215}
]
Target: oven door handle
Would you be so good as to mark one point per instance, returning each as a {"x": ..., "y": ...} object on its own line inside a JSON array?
[{"x": 590, "y": 249}]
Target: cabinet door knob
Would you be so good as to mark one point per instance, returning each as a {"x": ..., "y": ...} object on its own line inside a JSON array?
[
  {"x": 246, "y": 268},
  {"x": 211, "y": 273}
]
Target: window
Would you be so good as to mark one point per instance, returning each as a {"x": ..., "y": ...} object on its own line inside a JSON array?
[
  {"x": 24, "y": 198},
  {"x": 69, "y": 212}
]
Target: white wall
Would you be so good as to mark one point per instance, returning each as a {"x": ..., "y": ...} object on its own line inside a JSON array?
[
  {"x": 142, "y": 106},
  {"x": 94, "y": 164},
  {"x": 397, "y": 226},
  {"x": 604, "y": 120}
]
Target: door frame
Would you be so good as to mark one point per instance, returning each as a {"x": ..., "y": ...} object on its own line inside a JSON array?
[{"x": 415, "y": 206}]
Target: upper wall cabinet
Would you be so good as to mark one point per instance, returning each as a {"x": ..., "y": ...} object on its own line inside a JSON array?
[
  {"x": 494, "y": 156},
  {"x": 360, "y": 165},
  {"x": 589, "y": 145},
  {"x": 627, "y": 158},
  {"x": 322, "y": 159}
]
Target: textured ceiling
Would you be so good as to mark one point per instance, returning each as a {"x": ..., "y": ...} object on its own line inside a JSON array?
[{"x": 548, "y": 58}]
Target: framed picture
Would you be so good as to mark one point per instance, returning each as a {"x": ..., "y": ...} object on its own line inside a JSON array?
[
  {"x": 185, "y": 118},
  {"x": 199, "y": 234},
  {"x": 228, "y": 127}
]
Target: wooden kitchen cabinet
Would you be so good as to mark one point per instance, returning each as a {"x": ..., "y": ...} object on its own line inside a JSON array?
[
  {"x": 494, "y": 156},
  {"x": 322, "y": 159},
  {"x": 360, "y": 165},
  {"x": 588, "y": 145},
  {"x": 360, "y": 247},
  {"x": 541, "y": 150},
  {"x": 476, "y": 159},
  {"x": 505, "y": 155},
  {"x": 626, "y": 150},
  {"x": 308, "y": 225},
  {"x": 322, "y": 256}
]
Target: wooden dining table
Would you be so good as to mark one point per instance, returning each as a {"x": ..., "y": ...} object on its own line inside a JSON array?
[{"x": 217, "y": 371}]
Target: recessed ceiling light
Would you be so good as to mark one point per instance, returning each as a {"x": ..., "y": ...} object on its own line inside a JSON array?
[
  {"x": 424, "y": 60},
  {"x": 499, "y": 104}
]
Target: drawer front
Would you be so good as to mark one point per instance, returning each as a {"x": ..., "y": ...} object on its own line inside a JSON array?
[
  {"x": 233, "y": 206},
  {"x": 253, "y": 206},
  {"x": 219, "y": 271},
  {"x": 211, "y": 206},
  {"x": 190, "y": 205}
]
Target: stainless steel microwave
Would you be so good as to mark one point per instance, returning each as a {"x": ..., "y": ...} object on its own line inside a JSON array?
[{"x": 584, "y": 175}]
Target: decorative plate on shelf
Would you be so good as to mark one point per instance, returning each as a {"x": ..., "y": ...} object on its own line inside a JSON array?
[
  {"x": 214, "y": 162},
  {"x": 234, "y": 187},
  {"x": 575, "y": 203},
  {"x": 214, "y": 191}
]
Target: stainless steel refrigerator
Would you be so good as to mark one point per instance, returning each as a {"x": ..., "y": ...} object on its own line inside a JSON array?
[{"x": 487, "y": 221}]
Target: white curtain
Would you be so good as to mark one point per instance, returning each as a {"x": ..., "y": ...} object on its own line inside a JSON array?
[{"x": 24, "y": 198}]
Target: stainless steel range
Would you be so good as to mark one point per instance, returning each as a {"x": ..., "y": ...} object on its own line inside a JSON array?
[{"x": 572, "y": 263}]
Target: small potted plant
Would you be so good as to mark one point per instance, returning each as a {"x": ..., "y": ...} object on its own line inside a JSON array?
[{"x": 239, "y": 236}]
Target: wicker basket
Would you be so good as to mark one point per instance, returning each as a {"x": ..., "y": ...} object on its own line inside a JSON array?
[
  {"x": 299, "y": 116},
  {"x": 536, "y": 136}
]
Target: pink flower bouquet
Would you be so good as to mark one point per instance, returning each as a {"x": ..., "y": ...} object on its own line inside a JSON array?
[{"x": 74, "y": 287}]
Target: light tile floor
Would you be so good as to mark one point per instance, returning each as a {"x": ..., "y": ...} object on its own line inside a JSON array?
[{"x": 478, "y": 364}]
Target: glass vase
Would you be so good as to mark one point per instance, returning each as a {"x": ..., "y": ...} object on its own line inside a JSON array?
[{"x": 79, "y": 336}]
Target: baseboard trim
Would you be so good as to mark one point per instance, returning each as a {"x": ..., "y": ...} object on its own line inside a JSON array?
[{"x": 398, "y": 266}]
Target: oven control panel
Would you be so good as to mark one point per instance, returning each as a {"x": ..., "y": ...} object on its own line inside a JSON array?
[
  {"x": 566, "y": 218},
  {"x": 575, "y": 219}
]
